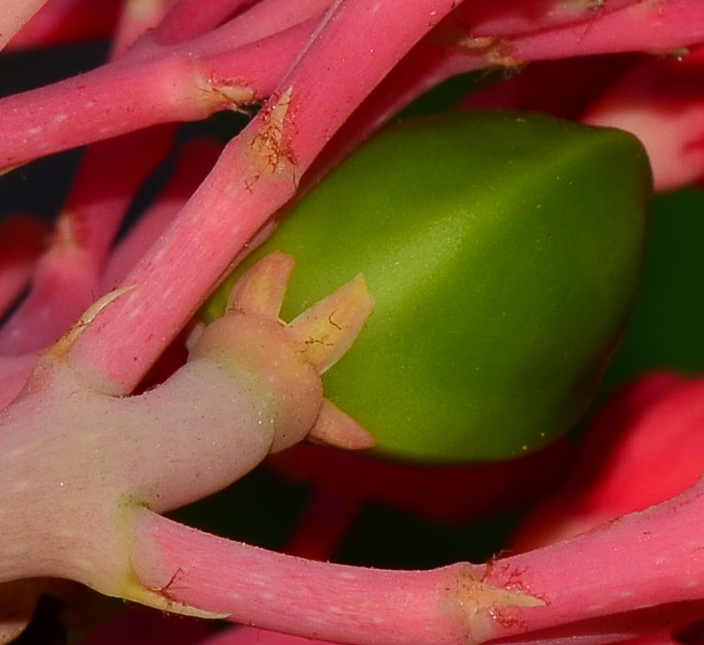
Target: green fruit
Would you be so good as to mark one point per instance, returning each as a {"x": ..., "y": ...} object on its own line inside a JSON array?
[{"x": 503, "y": 250}]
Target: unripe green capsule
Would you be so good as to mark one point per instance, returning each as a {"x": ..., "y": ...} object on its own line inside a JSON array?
[{"x": 503, "y": 250}]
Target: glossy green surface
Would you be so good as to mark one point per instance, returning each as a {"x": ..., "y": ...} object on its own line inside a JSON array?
[{"x": 503, "y": 251}]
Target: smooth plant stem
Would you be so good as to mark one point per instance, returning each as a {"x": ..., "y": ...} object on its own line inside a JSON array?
[
  {"x": 264, "y": 19},
  {"x": 106, "y": 182},
  {"x": 318, "y": 600},
  {"x": 652, "y": 27},
  {"x": 226, "y": 208},
  {"x": 374, "y": 56},
  {"x": 515, "y": 17},
  {"x": 639, "y": 561},
  {"x": 195, "y": 161},
  {"x": 193, "y": 84},
  {"x": 111, "y": 100}
]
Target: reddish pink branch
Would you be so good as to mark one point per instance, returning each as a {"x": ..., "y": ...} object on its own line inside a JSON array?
[
  {"x": 515, "y": 17},
  {"x": 194, "y": 163},
  {"x": 653, "y": 27},
  {"x": 324, "y": 601},
  {"x": 120, "y": 97},
  {"x": 640, "y": 561}
]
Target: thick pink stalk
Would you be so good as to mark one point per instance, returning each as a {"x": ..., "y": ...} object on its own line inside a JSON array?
[
  {"x": 199, "y": 80},
  {"x": 514, "y": 17},
  {"x": 324, "y": 601},
  {"x": 640, "y": 561},
  {"x": 266, "y": 18},
  {"x": 652, "y": 27},
  {"x": 120, "y": 97},
  {"x": 194, "y": 163}
]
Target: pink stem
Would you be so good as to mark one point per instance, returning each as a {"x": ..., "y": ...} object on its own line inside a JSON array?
[
  {"x": 137, "y": 91},
  {"x": 654, "y": 27},
  {"x": 104, "y": 187},
  {"x": 266, "y": 18},
  {"x": 324, "y": 601},
  {"x": 513, "y": 17},
  {"x": 195, "y": 161},
  {"x": 639, "y": 561}
]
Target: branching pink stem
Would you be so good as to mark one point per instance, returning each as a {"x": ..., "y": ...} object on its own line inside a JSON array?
[
  {"x": 630, "y": 561},
  {"x": 194, "y": 163},
  {"x": 318, "y": 600},
  {"x": 120, "y": 97},
  {"x": 515, "y": 17},
  {"x": 654, "y": 27}
]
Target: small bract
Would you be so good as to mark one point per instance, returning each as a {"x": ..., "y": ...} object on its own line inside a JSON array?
[{"x": 503, "y": 250}]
